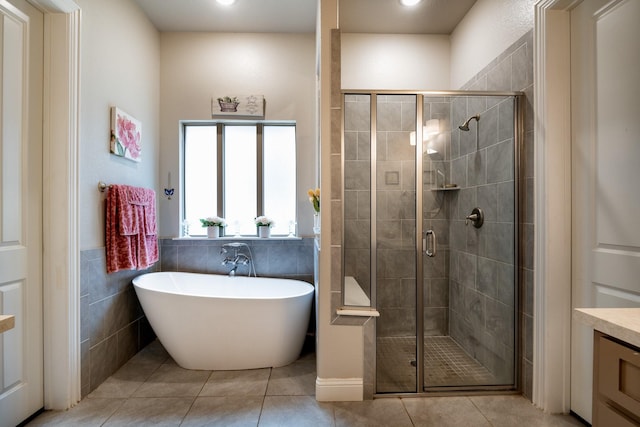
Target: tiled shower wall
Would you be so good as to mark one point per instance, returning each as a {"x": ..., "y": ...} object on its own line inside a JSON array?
[
  {"x": 357, "y": 188},
  {"x": 481, "y": 261},
  {"x": 113, "y": 325},
  {"x": 512, "y": 70},
  {"x": 395, "y": 184},
  {"x": 396, "y": 215},
  {"x": 436, "y": 217},
  {"x": 482, "y": 273}
]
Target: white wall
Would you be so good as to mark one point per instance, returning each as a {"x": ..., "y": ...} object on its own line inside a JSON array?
[
  {"x": 487, "y": 30},
  {"x": 198, "y": 66},
  {"x": 395, "y": 61},
  {"x": 120, "y": 67}
]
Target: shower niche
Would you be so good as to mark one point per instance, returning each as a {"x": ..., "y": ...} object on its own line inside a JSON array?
[{"x": 418, "y": 170}]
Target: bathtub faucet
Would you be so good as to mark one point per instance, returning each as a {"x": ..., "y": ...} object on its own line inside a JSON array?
[
  {"x": 241, "y": 259},
  {"x": 236, "y": 257},
  {"x": 232, "y": 272}
]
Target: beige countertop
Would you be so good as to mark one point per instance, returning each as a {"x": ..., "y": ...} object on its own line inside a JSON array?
[
  {"x": 620, "y": 323},
  {"x": 6, "y": 322}
]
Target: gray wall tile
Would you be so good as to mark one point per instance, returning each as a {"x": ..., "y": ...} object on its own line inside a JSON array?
[
  {"x": 505, "y": 120},
  {"x": 85, "y": 368},
  {"x": 476, "y": 168},
  {"x": 495, "y": 240},
  {"x": 522, "y": 68},
  {"x": 488, "y": 128},
  {"x": 500, "y": 77},
  {"x": 500, "y": 162},
  {"x": 103, "y": 357},
  {"x": 488, "y": 202}
]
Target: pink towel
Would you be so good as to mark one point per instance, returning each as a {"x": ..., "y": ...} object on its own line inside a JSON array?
[{"x": 131, "y": 230}]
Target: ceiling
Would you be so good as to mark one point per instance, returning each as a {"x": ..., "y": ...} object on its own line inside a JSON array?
[
  {"x": 299, "y": 16},
  {"x": 390, "y": 17}
]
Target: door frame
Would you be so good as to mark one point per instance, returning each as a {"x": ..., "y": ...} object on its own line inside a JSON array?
[
  {"x": 552, "y": 153},
  {"x": 61, "y": 293}
]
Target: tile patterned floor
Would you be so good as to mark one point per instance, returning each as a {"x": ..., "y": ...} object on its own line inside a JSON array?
[
  {"x": 151, "y": 390},
  {"x": 445, "y": 364}
]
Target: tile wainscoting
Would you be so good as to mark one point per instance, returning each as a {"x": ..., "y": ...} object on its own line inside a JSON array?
[
  {"x": 285, "y": 258},
  {"x": 113, "y": 327}
]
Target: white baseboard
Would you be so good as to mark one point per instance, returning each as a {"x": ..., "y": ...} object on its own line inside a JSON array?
[{"x": 339, "y": 389}]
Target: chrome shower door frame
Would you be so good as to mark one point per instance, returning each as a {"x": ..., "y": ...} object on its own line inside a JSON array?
[{"x": 519, "y": 205}]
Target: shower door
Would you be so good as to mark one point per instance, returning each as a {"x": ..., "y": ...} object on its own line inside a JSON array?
[
  {"x": 445, "y": 289},
  {"x": 394, "y": 210},
  {"x": 469, "y": 286}
]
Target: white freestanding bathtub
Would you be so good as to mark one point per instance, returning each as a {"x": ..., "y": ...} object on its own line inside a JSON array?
[{"x": 215, "y": 322}]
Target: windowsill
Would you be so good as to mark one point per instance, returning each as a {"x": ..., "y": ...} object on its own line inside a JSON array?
[{"x": 237, "y": 238}]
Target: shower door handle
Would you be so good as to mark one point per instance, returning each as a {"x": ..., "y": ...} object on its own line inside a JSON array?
[{"x": 429, "y": 249}]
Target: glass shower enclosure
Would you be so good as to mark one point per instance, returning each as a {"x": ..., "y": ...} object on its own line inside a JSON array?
[{"x": 431, "y": 234}]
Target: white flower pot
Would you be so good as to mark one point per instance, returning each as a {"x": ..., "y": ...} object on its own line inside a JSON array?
[
  {"x": 316, "y": 223},
  {"x": 213, "y": 232},
  {"x": 264, "y": 231}
]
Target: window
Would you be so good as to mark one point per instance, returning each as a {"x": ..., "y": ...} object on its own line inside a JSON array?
[{"x": 240, "y": 170}]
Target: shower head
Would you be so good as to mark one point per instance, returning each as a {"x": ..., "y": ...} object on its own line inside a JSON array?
[{"x": 465, "y": 125}]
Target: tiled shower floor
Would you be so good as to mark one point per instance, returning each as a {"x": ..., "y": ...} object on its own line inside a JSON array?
[{"x": 446, "y": 364}]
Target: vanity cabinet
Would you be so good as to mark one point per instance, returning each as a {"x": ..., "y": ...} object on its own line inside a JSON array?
[{"x": 616, "y": 382}]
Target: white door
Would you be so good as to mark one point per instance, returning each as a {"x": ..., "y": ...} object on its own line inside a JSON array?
[
  {"x": 605, "y": 64},
  {"x": 21, "y": 354}
]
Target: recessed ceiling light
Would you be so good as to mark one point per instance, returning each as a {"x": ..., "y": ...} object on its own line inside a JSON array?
[
  {"x": 228, "y": 2},
  {"x": 409, "y": 2}
]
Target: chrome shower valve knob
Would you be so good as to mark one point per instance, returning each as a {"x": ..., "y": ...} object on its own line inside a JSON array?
[{"x": 476, "y": 217}]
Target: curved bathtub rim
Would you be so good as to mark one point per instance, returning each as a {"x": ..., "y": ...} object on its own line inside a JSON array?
[{"x": 137, "y": 282}]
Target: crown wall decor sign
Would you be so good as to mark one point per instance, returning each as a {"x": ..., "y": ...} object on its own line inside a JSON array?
[{"x": 238, "y": 105}]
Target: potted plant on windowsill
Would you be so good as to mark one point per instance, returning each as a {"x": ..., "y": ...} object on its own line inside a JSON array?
[
  {"x": 264, "y": 225},
  {"x": 213, "y": 225}
]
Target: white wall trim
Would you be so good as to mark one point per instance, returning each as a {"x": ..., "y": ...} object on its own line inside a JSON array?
[
  {"x": 61, "y": 277},
  {"x": 339, "y": 389},
  {"x": 552, "y": 276}
]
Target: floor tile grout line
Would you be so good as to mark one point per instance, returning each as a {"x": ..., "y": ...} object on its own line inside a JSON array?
[
  {"x": 195, "y": 398},
  {"x": 114, "y": 411},
  {"x": 146, "y": 379},
  {"x": 480, "y": 410},
  {"x": 407, "y": 412},
  {"x": 188, "y": 410},
  {"x": 204, "y": 383},
  {"x": 264, "y": 396},
  {"x": 261, "y": 409}
]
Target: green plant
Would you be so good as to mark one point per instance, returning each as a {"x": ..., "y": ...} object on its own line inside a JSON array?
[{"x": 228, "y": 99}]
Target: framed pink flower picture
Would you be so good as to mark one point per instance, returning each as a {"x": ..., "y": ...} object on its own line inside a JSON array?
[{"x": 126, "y": 135}]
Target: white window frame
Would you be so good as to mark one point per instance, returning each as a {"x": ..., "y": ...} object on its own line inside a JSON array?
[{"x": 221, "y": 125}]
